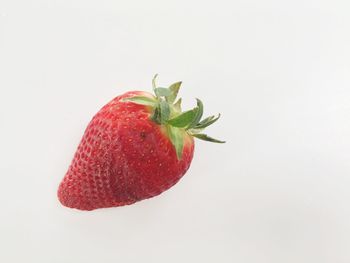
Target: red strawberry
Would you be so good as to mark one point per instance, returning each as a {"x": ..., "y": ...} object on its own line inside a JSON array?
[{"x": 134, "y": 148}]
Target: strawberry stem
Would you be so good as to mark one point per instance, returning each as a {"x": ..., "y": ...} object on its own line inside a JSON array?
[{"x": 168, "y": 112}]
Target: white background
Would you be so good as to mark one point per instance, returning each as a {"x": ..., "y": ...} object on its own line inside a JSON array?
[{"x": 278, "y": 71}]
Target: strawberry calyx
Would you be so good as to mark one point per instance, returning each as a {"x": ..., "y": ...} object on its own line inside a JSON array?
[{"x": 166, "y": 111}]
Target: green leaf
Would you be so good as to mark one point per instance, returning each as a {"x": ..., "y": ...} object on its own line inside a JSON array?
[
  {"x": 206, "y": 119},
  {"x": 162, "y": 92},
  {"x": 156, "y": 115},
  {"x": 174, "y": 89},
  {"x": 198, "y": 115},
  {"x": 205, "y": 137},
  {"x": 154, "y": 82},
  {"x": 206, "y": 122},
  {"x": 177, "y": 105},
  {"x": 184, "y": 119},
  {"x": 176, "y": 138},
  {"x": 194, "y": 131},
  {"x": 164, "y": 111},
  {"x": 142, "y": 100}
]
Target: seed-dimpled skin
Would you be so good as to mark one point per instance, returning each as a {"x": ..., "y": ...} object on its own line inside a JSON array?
[{"x": 123, "y": 157}]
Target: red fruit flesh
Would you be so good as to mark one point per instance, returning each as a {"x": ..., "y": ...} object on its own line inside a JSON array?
[{"x": 123, "y": 157}]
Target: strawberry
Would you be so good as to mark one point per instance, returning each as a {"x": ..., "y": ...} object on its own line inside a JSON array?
[{"x": 137, "y": 146}]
